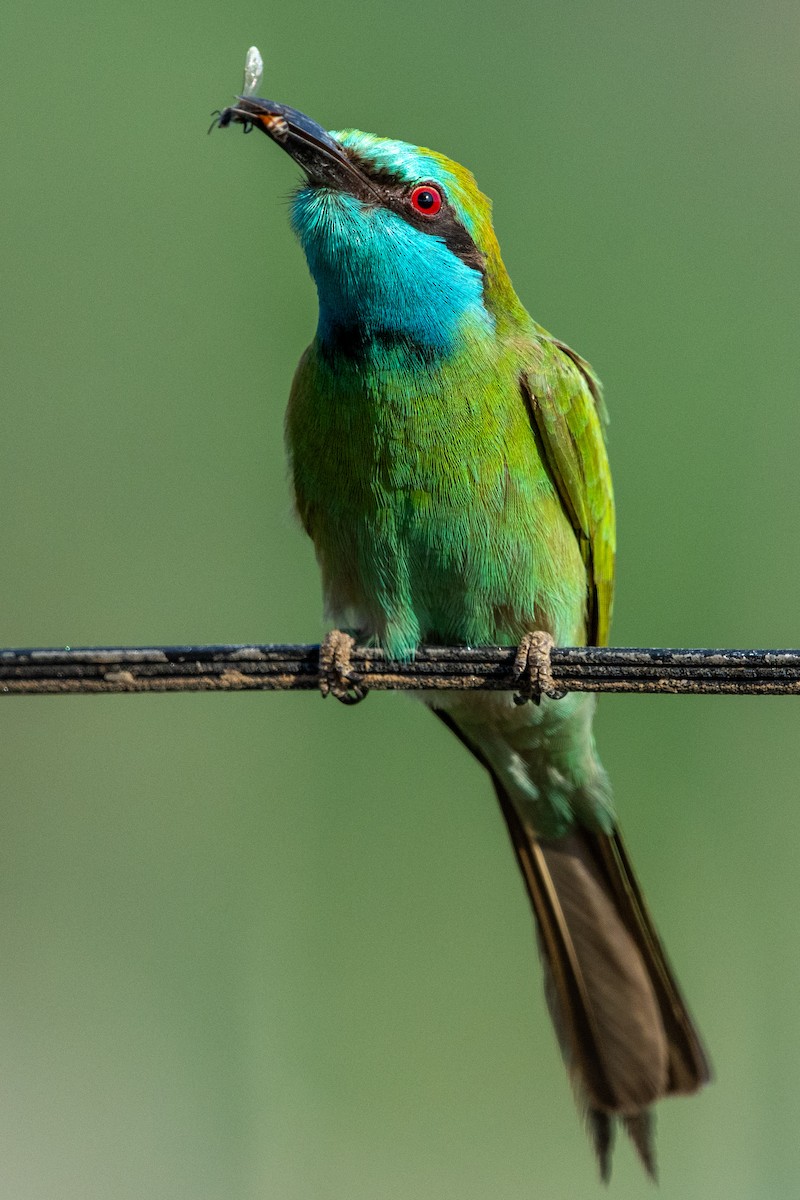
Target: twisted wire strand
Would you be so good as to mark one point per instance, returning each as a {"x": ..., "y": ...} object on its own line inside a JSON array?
[{"x": 86, "y": 671}]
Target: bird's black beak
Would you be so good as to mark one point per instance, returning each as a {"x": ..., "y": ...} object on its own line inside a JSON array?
[{"x": 324, "y": 161}]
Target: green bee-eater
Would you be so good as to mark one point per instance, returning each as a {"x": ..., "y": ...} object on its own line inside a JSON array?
[{"x": 449, "y": 464}]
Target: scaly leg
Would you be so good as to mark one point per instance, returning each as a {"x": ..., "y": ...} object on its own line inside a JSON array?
[
  {"x": 532, "y": 669},
  {"x": 336, "y": 675}
]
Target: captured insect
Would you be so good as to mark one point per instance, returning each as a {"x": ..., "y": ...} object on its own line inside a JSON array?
[{"x": 272, "y": 123}]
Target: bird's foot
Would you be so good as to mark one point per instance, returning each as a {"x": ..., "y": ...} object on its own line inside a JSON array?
[
  {"x": 532, "y": 669},
  {"x": 336, "y": 675}
]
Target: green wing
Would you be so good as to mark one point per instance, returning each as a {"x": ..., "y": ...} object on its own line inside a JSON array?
[{"x": 568, "y": 417}]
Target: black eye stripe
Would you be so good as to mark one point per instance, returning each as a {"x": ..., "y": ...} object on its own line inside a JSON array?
[{"x": 394, "y": 195}]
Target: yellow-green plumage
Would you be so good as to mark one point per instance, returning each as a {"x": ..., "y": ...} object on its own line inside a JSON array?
[
  {"x": 432, "y": 513},
  {"x": 449, "y": 464}
]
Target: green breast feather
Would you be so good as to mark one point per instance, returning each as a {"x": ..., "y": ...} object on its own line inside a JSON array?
[{"x": 461, "y": 500}]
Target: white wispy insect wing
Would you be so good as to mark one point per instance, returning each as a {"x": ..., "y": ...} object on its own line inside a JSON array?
[{"x": 253, "y": 70}]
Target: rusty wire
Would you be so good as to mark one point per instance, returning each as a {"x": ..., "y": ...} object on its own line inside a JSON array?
[{"x": 291, "y": 668}]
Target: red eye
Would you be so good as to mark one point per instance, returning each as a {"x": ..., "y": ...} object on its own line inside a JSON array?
[{"x": 426, "y": 200}]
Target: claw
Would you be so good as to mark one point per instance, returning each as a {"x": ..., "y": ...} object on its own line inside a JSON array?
[
  {"x": 336, "y": 675},
  {"x": 533, "y": 671}
]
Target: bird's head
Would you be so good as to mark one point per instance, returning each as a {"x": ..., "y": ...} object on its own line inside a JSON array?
[{"x": 398, "y": 238}]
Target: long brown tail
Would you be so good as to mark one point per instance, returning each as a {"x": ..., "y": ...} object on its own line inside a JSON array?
[{"x": 625, "y": 1032}]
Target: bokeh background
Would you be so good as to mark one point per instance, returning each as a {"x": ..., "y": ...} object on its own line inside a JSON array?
[{"x": 261, "y": 946}]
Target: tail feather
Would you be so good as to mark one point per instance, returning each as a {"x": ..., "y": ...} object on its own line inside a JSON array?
[
  {"x": 639, "y": 1129},
  {"x": 626, "y": 1035},
  {"x": 629, "y": 1050},
  {"x": 689, "y": 1067},
  {"x": 601, "y": 1131}
]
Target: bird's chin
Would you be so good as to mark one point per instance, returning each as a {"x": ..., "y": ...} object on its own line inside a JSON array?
[
  {"x": 313, "y": 194},
  {"x": 327, "y": 221}
]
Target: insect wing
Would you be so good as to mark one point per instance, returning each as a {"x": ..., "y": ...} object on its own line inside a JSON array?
[{"x": 253, "y": 70}]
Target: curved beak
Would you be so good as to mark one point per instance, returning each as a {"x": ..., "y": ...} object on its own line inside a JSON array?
[{"x": 324, "y": 161}]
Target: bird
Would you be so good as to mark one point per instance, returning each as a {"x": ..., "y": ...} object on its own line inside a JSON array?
[{"x": 449, "y": 464}]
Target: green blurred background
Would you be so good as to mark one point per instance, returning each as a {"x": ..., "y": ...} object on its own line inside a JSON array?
[{"x": 260, "y": 946}]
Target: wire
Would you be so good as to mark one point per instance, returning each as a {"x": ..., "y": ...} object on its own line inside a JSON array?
[{"x": 291, "y": 668}]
